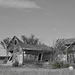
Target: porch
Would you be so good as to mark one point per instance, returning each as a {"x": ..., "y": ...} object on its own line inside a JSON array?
[{"x": 32, "y": 56}]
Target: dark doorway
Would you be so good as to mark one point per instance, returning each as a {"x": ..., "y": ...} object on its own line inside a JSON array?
[{"x": 39, "y": 57}]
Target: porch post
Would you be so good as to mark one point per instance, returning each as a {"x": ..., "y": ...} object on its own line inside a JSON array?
[
  {"x": 23, "y": 56},
  {"x": 41, "y": 56},
  {"x": 67, "y": 56},
  {"x": 51, "y": 56},
  {"x": 73, "y": 56},
  {"x": 67, "y": 53},
  {"x": 38, "y": 57}
]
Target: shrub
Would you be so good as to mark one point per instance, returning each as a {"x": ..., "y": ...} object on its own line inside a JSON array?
[
  {"x": 55, "y": 65},
  {"x": 16, "y": 64},
  {"x": 65, "y": 65},
  {"x": 60, "y": 65}
]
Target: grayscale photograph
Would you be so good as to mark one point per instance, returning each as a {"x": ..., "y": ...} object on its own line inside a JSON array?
[{"x": 37, "y": 37}]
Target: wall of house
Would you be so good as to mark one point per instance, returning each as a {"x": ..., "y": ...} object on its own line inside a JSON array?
[{"x": 2, "y": 51}]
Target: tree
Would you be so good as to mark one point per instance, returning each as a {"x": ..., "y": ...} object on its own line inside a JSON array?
[
  {"x": 60, "y": 48},
  {"x": 31, "y": 40},
  {"x": 60, "y": 45},
  {"x": 5, "y": 44},
  {"x": 24, "y": 39}
]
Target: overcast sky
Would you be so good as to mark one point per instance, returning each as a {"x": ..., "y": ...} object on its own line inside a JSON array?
[{"x": 46, "y": 19}]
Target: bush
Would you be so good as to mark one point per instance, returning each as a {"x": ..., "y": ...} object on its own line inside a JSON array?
[
  {"x": 55, "y": 65},
  {"x": 16, "y": 64},
  {"x": 59, "y": 65},
  {"x": 65, "y": 66}
]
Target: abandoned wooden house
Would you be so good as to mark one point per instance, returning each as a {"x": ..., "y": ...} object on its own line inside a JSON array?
[
  {"x": 70, "y": 48},
  {"x": 69, "y": 55},
  {"x": 25, "y": 52}
]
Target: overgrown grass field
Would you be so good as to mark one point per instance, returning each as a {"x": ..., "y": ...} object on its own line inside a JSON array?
[
  {"x": 34, "y": 71},
  {"x": 30, "y": 70}
]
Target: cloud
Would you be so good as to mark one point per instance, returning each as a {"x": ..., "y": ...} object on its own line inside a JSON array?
[
  {"x": 48, "y": 14},
  {"x": 30, "y": 28},
  {"x": 18, "y": 4},
  {"x": 54, "y": 29}
]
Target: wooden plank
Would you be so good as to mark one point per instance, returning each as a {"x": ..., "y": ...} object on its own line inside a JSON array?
[{"x": 23, "y": 57}]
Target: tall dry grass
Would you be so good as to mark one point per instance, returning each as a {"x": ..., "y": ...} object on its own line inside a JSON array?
[{"x": 34, "y": 71}]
